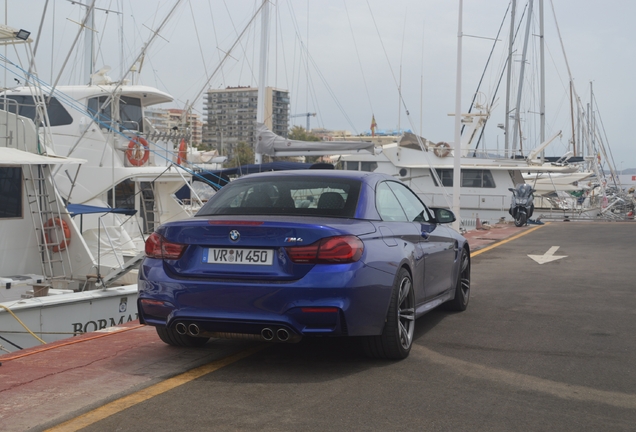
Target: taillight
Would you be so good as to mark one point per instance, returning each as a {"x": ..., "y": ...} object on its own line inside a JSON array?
[
  {"x": 335, "y": 250},
  {"x": 158, "y": 247}
]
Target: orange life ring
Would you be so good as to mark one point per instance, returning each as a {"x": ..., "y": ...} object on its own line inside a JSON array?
[
  {"x": 442, "y": 149},
  {"x": 134, "y": 154},
  {"x": 183, "y": 152},
  {"x": 51, "y": 223}
]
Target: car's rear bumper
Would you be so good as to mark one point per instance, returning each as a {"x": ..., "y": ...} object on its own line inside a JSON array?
[{"x": 327, "y": 301}]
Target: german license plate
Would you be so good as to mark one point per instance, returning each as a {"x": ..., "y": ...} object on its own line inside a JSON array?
[{"x": 239, "y": 256}]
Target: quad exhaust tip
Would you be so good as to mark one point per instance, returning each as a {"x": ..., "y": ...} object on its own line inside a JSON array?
[
  {"x": 193, "y": 329},
  {"x": 181, "y": 328},
  {"x": 282, "y": 334},
  {"x": 267, "y": 334}
]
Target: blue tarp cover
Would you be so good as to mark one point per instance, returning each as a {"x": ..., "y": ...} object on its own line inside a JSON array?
[{"x": 80, "y": 209}]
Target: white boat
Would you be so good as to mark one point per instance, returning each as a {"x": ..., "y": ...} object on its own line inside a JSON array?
[
  {"x": 124, "y": 157},
  {"x": 487, "y": 175},
  {"x": 127, "y": 185},
  {"x": 428, "y": 169},
  {"x": 44, "y": 258}
]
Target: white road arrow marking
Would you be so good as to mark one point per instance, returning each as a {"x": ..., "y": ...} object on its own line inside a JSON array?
[{"x": 548, "y": 256}]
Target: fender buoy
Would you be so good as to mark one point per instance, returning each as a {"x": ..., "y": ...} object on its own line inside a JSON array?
[
  {"x": 442, "y": 149},
  {"x": 52, "y": 223},
  {"x": 182, "y": 156},
  {"x": 138, "y": 151}
]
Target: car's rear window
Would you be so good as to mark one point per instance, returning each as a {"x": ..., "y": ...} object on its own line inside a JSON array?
[{"x": 286, "y": 195}]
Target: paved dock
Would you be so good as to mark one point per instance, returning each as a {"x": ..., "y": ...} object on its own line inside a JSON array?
[
  {"x": 43, "y": 386},
  {"x": 68, "y": 377},
  {"x": 88, "y": 378}
]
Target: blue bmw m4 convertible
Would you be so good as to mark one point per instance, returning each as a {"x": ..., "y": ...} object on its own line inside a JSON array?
[{"x": 281, "y": 256}]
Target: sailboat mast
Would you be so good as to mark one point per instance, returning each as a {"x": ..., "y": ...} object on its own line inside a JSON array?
[
  {"x": 542, "y": 78},
  {"x": 508, "y": 78},
  {"x": 517, "y": 124},
  {"x": 592, "y": 120},
  {"x": 262, "y": 74},
  {"x": 588, "y": 136},
  {"x": 89, "y": 44},
  {"x": 572, "y": 120},
  {"x": 458, "y": 118}
]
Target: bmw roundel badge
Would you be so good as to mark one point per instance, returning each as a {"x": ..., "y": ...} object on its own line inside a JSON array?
[{"x": 235, "y": 235}]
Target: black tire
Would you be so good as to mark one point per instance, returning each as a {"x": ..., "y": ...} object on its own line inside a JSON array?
[
  {"x": 171, "y": 337},
  {"x": 397, "y": 337},
  {"x": 462, "y": 287},
  {"x": 521, "y": 219}
]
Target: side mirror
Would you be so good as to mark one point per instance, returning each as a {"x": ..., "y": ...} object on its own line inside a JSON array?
[{"x": 443, "y": 216}]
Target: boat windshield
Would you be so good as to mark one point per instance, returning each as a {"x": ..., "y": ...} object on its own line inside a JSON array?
[
  {"x": 130, "y": 111},
  {"x": 25, "y": 106}
]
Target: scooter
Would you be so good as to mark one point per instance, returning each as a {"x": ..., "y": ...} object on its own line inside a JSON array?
[{"x": 521, "y": 204}]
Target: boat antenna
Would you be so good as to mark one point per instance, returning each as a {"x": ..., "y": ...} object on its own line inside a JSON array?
[
  {"x": 146, "y": 46},
  {"x": 89, "y": 12},
  {"x": 37, "y": 38}
]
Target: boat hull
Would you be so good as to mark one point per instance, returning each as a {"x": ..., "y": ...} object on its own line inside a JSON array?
[{"x": 62, "y": 316}]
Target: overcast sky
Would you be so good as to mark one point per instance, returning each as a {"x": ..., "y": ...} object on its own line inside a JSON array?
[{"x": 360, "y": 52}]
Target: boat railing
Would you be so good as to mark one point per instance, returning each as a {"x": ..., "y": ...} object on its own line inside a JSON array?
[
  {"x": 14, "y": 128},
  {"x": 130, "y": 125},
  {"x": 175, "y": 135},
  {"x": 192, "y": 205},
  {"x": 116, "y": 252},
  {"x": 470, "y": 200},
  {"x": 486, "y": 153}
]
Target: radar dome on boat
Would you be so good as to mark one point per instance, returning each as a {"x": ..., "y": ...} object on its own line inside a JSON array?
[{"x": 100, "y": 77}]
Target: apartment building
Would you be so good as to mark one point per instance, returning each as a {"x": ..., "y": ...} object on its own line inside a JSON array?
[{"x": 231, "y": 115}]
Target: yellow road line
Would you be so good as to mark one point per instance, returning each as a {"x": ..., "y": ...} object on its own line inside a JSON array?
[
  {"x": 499, "y": 243},
  {"x": 136, "y": 398},
  {"x": 128, "y": 401}
]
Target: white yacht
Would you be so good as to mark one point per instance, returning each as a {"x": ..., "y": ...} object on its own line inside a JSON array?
[
  {"x": 428, "y": 169},
  {"x": 47, "y": 268},
  {"x": 128, "y": 164}
]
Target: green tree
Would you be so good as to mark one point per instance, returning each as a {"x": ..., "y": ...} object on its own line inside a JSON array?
[
  {"x": 242, "y": 154},
  {"x": 299, "y": 133}
]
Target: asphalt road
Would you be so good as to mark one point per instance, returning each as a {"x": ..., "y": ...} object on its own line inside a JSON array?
[{"x": 541, "y": 347}]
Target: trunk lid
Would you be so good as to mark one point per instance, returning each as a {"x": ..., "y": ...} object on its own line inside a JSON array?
[{"x": 250, "y": 248}]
